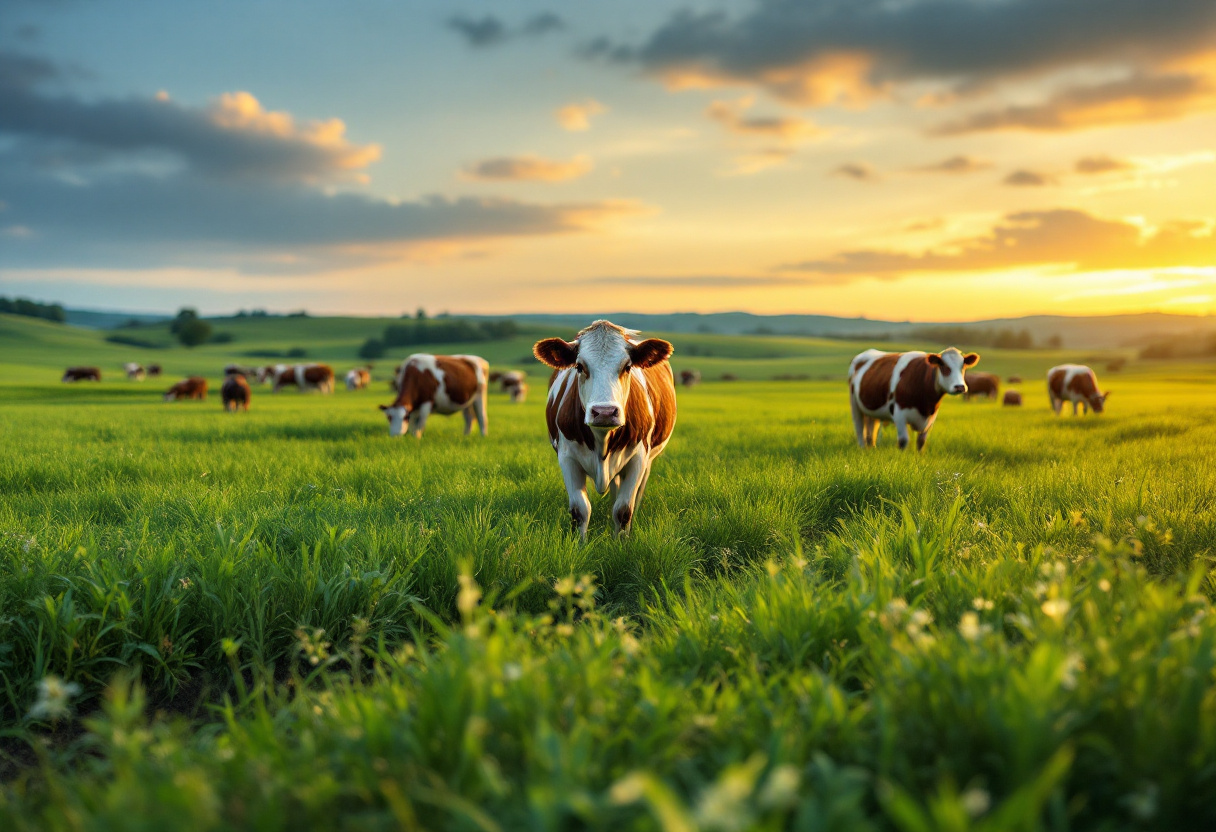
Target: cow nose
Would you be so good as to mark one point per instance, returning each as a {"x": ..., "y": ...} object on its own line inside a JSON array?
[
  {"x": 960, "y": 388},
  {"x": 605, "y": 414}
]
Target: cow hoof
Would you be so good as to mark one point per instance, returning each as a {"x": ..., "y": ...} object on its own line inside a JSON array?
[{"x": 624, "y": 515}]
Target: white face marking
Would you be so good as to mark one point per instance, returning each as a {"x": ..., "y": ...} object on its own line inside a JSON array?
[
  {"x": 950, "y": 377},
  {"x": 396, "y": 420},
  {"x": 602, "y": 367}
]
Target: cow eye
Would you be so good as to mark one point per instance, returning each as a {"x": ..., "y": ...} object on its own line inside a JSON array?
[
  {"x": 626, "y": 367},
  {"x": 582, "y": 368}
]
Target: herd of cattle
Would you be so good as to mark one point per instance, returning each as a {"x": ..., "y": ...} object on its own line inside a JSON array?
[{"x": 611, "y": 406}]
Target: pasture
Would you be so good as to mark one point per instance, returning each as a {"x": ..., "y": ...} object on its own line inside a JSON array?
[{"x": 287, "y": 618}]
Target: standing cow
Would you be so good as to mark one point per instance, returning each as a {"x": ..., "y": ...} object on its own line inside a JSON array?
[
  {"x": 611, "y": 410},
  {"x": 194, "y": 387},
  {"x": 690, "y": 378},
  {"x": 512, "y": 383},
  {"x": 1074, "y": 383},
  {"x": 135, "y": 372},
  {"x": 444, "y": 384},
  {"x": 905, "y": 388},
  {"x": 1012, "y": 399},
  {"x": 235, "y": 392},
  {"x": 72, "y": 374},
  {"x": 987, "y": 385},
  {"x": 358, "y": 378},
  {"x": 319, "y": 377}
]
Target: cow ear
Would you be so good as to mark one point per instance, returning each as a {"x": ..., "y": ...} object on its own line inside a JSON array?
[
  {"x": 555, "y": 352},
  {"x": 650, "y": 352},
  {"x": 935, "y": 360},
  {"x": 971, "y": 358}
]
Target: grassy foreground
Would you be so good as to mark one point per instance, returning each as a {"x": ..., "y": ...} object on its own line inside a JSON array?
[{"x": 287, "y": 619}]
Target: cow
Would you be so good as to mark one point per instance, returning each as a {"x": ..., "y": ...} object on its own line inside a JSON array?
[
  {"x": 905, "y": 388},
  {"x": 135, "y": 372},
  {"x": 444, "y": 384},
  {"x": 610, "y": 411},
  {"x": 240, "y": 369},
  {"x": 1075, "y": 383},
  {"x": 1012, "y": 399},
  {"x": 153, "y": 370},
  {"x": 72, "y": 374},
  {"x": 690, "y": 378},
  {"x": 358, "y": 378},
  {"x": 194, "y": 387},
  {"x": 987, "y": 385},
  {"x": 318, "y": 377},
  {"x": 235, "y": 392},
  {"x": 270, "y": 372},
  {"x": 1014, "y": 380},
  {"x": 512, "y": 383}
]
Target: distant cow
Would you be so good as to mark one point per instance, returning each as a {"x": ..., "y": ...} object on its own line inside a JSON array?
[
  {"x": 153, "y": 370},
  {"x": 1014, "y": 380},
  {"x": 358, "y": 378},
  {"x": 690, "y": 378},
  {"x": 611, "y": 410},
  {"x": 444, "y": 384},
  {"x": 240, "y": 369},
  {"x": 72, "y": 374},
  {"x": 905, "y": 388},
  {"x": 987, "y": 385},
  {"x": 135, "y": 372},
  {"x": 512, "y": 383},
  {"x": 194, "y": 387},
  {"x": 1012, "y": 398},
  {"x": 1075, "y": 383},
  {"x": 318, "y": 377},
  {"x": 235, "y": 392}
]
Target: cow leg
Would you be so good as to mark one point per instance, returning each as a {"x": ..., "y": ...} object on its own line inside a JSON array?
[
  {"x": 575, "y": 479},
  {"x": 922, "y": 436},
  {"x": 901, "y": 428},
  {"x": 468, "y": 419},
  {"x": 418, "y": 419},
  {"x": 637, "y": 498},
  {"x": 1074, "y": 408},
  {"x": 859, "y": 421},
  {"x": 479, "y": 410},
  {"x": 1057, "y": 405},
  {"x": 872, "y": 426},
  {"x": 625, "y": 500}
]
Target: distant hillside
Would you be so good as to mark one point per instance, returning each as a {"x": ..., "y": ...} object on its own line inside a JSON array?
[{"x": 99, "y": 319}]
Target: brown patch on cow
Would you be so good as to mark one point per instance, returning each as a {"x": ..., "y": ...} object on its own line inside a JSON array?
[
  {"x": 640, "y": 425},
  {"x": 875, "y": 387},
  {"x": 317, "y": 374},
  {"x": 1084, "y": 384},
  {"x": 194, "y": 387},
  {"x": 917, "y": 387},
  {"x": 417, "y": 386},
  {"x": 1055, "y": 383},
  {"x": 235, "y": 392},
  {"x": 82, "y": 374},
  {"x": 1012, "y": 398},
  {"x": 565, "y": 413},
  {"x": 459, "y": 378}
]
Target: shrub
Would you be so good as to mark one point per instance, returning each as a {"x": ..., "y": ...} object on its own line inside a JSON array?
[
  {"x": 193, "y": 332},
  {"x": 372, "y": 348}
]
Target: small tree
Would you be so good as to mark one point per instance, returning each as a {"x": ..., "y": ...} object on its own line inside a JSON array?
[
  {"x": 193, "y": 332},
  {"x": 372, "y": 348}
]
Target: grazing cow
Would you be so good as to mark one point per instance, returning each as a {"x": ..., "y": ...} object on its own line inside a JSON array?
[
  {"x": 72, "y": 374},
  {"x": 690, "y": 378},
  {"x": 318, "y": 377},
  {"x": 987, "y": 385},
  {"x": 135, "y": 372},
  {"x": 1075, "y": 383},
  {"x": 194, "y": 387},
  {"x": 512, "y": 383},
  {"x": 1012, "y": 399},
  {"x": 611, "y": 410},
  {"x": 240, "y": 369},
  {"x": 358, "y": 378},
  {"x": 905, "y": 388},
  {"x": 235, "y": 392},
  {"x": 1014, "y": 380},
  {"x": 444, "y": 384}
]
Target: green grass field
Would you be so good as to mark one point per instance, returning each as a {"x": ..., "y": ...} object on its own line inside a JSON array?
[{"x": 287, "y": 619}]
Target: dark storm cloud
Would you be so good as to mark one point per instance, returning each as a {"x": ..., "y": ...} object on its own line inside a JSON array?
[
  {"x": 779, "y": 44},
  {"x": 1061, "y": 236},
  {"x": 491, "y": 31}
]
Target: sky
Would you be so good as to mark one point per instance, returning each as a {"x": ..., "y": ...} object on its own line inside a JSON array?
[{"x": 900, "y": 159}]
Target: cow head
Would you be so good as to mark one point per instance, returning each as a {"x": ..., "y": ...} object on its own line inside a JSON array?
[
  {"x": 604, "y": 355},
  {"x": 1097, "y": 401},
  {"x": 951, "y": 364},
  {"x": 397, "y": 415}
]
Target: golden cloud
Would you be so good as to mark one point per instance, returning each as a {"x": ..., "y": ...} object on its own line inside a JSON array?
[
  {"x": 528, "y": 168},
  {"x": 577, "y": 116},
  {"x": 789, "y": 129}
]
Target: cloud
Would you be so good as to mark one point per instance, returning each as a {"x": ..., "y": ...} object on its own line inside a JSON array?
[
  {"x": 1093, "y": 165},
  {"x": 858, "y": 171},
  {"x": 1137, "y": 98},
  {"x": 816, "y": 52},
  {"x": 955, "y": 164},
  {"x": 528, "y": 169},
  {"x": 777, "y": 128},
  {"x": 577, "y": 116},
  {"x": 747, "y": 164},
  {"x": 1063, "y": 237},
  {"x": 491, "y": 31},
  {"x": 1023, "y": 178},
  {"x": 713, "y": 281}
]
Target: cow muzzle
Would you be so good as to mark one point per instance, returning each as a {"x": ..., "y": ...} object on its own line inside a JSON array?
[
  {"x": 604, "y": 416},
  {"x": 959, "y": 388}
]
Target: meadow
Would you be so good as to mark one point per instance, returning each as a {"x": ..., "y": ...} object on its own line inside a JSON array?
[{"x": 287, "y": 619}]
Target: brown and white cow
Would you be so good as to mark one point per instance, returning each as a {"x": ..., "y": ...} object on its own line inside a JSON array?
[
  {"x": 513, "y": 383},
  {"x": 319, "y": 377},
  {"x": 135, "y": 372},
  {"x": 81, "y": 374},
  {"x": 1074, "y": 383},
  {"x": 235, "y": 392},
  {"x": 358, "y": 378},
  {"x": 194, "y": 387},
  {"x": 1012, "y": 399},
  {"x": 444, "y": 384},
  {"x": 905, "y": 388},
  {"x": 690, "y": 378},
  {"x": 987, "y": 385},
  {"x": 611, "y": 410}
]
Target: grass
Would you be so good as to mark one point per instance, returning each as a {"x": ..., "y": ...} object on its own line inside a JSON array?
[{"x": 273, "y": 619}]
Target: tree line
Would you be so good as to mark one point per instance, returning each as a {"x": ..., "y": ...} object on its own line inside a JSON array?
[
  {"x": 443, "y": 330},
  {"x": 33, "y": 309}
]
